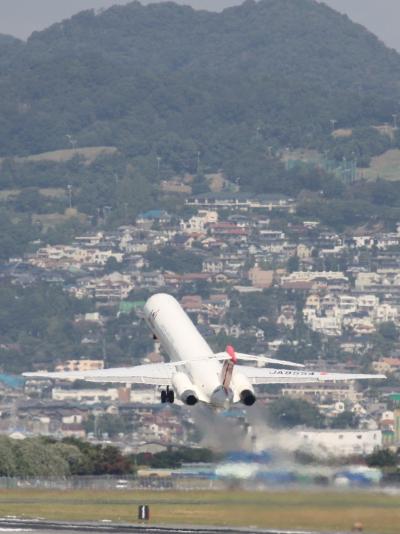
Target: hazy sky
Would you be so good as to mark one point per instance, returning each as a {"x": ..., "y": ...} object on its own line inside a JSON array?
[{"x": 21, "y": 17}]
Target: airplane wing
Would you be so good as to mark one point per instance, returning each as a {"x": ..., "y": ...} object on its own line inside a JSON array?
[
  {"x": 285, "y": 376},
  {"x": 158, "y": 374},
  {"x": 221, "y": 356}
]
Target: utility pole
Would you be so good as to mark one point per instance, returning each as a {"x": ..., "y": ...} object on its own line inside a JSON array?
[
  {"x": 71, "y": 140},
  {"x": 345, "y": 170},
  {"x": 354, "y": 167},
  {"x": 14, "y": 415},
  {"x": 95, "y": 425},
  {"x": 103, "y": 350},
  {"x": 198, "y": 162},
  {"x": 69, "y": 187}
]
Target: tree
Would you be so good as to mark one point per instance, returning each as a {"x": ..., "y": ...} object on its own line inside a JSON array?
[
  {"x": 36, "y": 458},
  {"x": 388, "y": 331},
  {"x": 345, "y": 420},
  {"x": 382, "y": 458},
  {"x": 173, "y": 458},
  {"x": 180, "y": 104},
  {"x": 15, "y": 234},
  {"x": 133, "y": 195},
  {"x": 176, "y": 260},
  {"x": 293, "y": 264},
  {"x": 200, "y": 185},
  {"x": 112, "y": 265},
  {"x": 8, "y": 459},
  {"x": 288, "y": 413},
  {"x": 46, "y": 457},
  {"x": 72, "y": 455},
  {"x": 38, "y": 321},
  {"x": 385, "y": 338}
]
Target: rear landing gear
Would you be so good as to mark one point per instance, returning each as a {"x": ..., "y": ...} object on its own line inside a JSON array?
[{"x": 167, "y": 395}]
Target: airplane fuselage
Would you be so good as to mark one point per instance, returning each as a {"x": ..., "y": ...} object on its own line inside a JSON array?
[{"x": 200, "y": 378}]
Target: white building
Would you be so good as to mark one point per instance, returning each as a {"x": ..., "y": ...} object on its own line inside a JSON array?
[
  {"x": 242, "y": 201},
  {"x": 367, "y": 303},
  {"x": 385, "y": 313},
  {"x": 359, "y": 325},
  {"x": 86, "y": 396},
  {"x": 197, "y": 223},
  {"x": 80, "y": 365},
  {"x": 363, "y": 241},
  {"x": 365, "y": 280},
  {"x": 324, "y": 392},
  {"x": 89, "y": 240},
  {"x": 64, "y": 256},
  {"x": 319, "y": 279},
  {"x": 330, "y": 326},
  {"x": 347, "y": 304},
  {"x": 144, "y": 395},
  {"x": 340, "y": 442},
  {"x": 112, "y": 287}
]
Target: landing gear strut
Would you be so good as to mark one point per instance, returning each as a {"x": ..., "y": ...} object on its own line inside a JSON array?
[{"x": 167, "y": 395}]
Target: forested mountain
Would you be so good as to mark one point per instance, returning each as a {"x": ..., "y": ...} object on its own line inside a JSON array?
[{"x": 170, "y": 81}]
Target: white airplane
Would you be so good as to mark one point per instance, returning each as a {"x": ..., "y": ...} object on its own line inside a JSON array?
[{"x": 195, "y": 374}]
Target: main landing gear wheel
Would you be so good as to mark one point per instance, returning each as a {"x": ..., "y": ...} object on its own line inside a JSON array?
[{"x": 167, "y": 395}]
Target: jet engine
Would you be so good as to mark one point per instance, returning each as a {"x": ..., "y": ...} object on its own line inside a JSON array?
[
  {"x": 185, "y": 389},
  {"x": 247, "y": 397},
  {"x": 242, "y": 386}
]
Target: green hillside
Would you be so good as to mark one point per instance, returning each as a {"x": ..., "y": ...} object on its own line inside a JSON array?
[{"x": 168, "y": 80}]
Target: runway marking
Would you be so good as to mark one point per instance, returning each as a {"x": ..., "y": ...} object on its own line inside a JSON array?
[{"x": 51, "y": 527}]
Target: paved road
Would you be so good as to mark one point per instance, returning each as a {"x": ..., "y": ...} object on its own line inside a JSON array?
[{"x": 55, "y": 527}]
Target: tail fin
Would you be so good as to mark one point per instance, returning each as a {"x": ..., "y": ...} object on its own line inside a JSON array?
[{"x": 230, "y": 354}]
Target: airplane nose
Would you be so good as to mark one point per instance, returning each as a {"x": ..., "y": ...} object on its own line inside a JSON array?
[{"x": 221, "y": 397}]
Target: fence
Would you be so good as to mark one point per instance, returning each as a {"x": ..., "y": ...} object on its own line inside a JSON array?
[{"x": 111, "y": 483}]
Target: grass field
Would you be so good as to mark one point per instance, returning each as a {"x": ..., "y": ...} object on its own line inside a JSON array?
[
  {"x": 51, "y": 192},
  {"x": 87, "y": 153},
  {"x": 322, "y": 510},
  {"x": 386, "y": 166},
  {"x": 7, "y": 193}
]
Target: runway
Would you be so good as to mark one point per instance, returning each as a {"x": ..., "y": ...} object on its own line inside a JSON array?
[{"x": 8, "y": 525}]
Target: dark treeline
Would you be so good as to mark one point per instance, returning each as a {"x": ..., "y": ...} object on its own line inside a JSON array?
[
  {"x": 170, "y": 81},
  {"x": 38, "y": 330},
  {"x": 178, "y": 90},
  {"x": 45, "y": 457},
  {"x": 37, "y": 323}
]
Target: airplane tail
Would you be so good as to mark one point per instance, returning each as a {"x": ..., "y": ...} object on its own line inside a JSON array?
[
  {"x": 230, "y": 357},
  {"x": 231, "y": 354}
]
